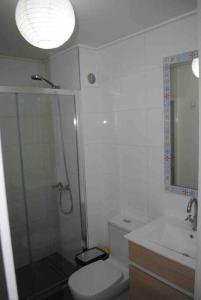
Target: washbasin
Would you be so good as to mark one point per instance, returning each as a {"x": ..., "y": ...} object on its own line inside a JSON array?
[
  {"x": 169, "y": 237},
  {"x": 175, "y": 238}
]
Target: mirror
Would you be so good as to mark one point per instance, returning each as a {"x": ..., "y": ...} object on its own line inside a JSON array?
[{"x": 181, "y": 124}]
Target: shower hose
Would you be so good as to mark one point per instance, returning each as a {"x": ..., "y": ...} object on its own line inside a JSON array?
[
  {"x": 60, "y": 186},
  {"x": 64, "y": 189},
  {"x": 66, "y": 212}
]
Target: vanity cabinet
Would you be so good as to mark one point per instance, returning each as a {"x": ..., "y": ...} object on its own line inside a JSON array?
[
  {"x": 153, "y": 276},
  {"x": 146, "y": 287}
]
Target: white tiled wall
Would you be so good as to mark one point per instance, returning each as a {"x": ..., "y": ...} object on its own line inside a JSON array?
[
  {"x": 101, "y": 157},
  {"x": 18, "y": 71},
  {"x": 64, "y": 69},
  {"x": 123, "y": 125}
]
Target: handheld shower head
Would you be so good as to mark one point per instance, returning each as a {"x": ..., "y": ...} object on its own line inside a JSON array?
[
  {"x": 36, "y": 77},
  {"x": 41, "y": 78}
]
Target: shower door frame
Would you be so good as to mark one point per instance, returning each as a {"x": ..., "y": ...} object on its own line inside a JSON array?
[{"x": 81, "y": 166}]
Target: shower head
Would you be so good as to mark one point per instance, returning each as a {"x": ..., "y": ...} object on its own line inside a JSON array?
[
  {"x": 36, "y": 77},
  {"x": 41, "y": 78}
]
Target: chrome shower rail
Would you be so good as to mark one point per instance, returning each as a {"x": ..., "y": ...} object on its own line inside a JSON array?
[{"x": 33, "y": 90}]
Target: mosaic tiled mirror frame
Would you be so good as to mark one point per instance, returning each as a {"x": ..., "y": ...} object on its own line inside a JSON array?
[{"x": 184, "y": 57}]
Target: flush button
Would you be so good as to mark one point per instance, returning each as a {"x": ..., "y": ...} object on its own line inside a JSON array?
[{"x": 127, "y": 221}]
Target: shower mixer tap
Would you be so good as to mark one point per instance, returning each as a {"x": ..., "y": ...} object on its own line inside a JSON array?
[{"x": 60, "y": 186}]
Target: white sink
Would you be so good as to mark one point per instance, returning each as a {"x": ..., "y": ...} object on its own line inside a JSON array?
[
  {"x": 169, "y": 237},
  {"x": 176, "y": 239}
]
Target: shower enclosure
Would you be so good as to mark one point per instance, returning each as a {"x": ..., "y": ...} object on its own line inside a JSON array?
[{"x": 41, "y": 165}]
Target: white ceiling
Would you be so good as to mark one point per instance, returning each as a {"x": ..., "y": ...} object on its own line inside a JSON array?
[{"x": 98, "y": 22}]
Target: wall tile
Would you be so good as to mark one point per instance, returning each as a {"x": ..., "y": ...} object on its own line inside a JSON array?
[
  {"x": 89, "y": 63},
  {"x": 131, "y": 127},
  {"x": 133, "y": 196},
  {"x": 99, "y": 127},
  {"x": 154, "y": 87},
  {"x": 98, "y": 100},
  {"x": 155, "y": 127},
  {"x": 175, "y": 205},
  {"x": 9, "y": 133},
  {"x": 64, "y": 69},
  {"x": 155, "y": 165},
  {"x": 133, "y": 161},
  {"x": 20, "y": 246},
  {"x": 125, "y": 58},
  {"x": 102, "y": 158},
  {"x": 170, "y": 40},
  {"x": 10, "y": 108},
  {"x": 131, "y": 92},
  {"x": 17, "y": 72},
  {"x": 156, "y": 201}
]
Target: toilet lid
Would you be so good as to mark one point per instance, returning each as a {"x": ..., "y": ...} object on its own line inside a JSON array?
[{"x": 94, "y": 278}]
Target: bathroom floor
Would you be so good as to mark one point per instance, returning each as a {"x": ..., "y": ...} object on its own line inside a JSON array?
[
  {"x": 66, "y": 295},
  {"x": 45, "y": 277}
]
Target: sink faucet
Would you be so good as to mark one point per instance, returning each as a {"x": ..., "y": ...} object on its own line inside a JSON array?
[{"x": 193, "y": 220}]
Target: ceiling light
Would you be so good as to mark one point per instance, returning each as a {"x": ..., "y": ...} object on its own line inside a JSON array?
[
  {"x": 45, "y": 24},
  {"x": 195, "y": 67}
]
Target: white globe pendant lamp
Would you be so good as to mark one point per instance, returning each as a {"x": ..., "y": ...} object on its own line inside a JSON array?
[
  {"x": 45, "y": 24},
  {"x": 195, "y": 67}
]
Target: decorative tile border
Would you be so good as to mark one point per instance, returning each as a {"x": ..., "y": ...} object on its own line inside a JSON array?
[{"x": 184, "y": 57}]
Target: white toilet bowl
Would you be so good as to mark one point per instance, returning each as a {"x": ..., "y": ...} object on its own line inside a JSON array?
[
  {"x": 101, "y": 280},
  {"x": 104, "y": 280}
]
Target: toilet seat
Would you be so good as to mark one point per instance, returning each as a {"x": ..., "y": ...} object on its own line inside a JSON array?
[{"x": 95, "y": 279}]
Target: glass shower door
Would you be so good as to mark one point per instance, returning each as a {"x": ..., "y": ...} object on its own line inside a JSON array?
[
  {"x": 46, "y": 144},
  {"x": 3, "y": 287},
  {"x": 13, "y": 178}
]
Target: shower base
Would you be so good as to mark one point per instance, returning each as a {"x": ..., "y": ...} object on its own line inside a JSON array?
[{"x": 44, "y": 278}]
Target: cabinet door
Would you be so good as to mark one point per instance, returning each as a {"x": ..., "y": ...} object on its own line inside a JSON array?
[
  {"x": 146, "y": 287},
  {"x": 166, "y": 268}
]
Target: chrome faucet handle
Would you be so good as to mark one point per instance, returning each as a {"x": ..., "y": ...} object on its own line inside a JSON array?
[
  {"x": 61, "y": 187},
  {"x": 58, "y": 185},
  {"x": 188, "y": 218}
]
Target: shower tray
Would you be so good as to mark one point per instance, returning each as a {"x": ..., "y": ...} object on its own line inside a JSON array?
[{"x": 44, "y": 278}]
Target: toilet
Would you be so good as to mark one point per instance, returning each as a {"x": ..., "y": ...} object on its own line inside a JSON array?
[{"x": 104, "y": 280}]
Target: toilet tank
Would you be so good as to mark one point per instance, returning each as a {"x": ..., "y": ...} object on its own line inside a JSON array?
[{"x": 118, "y": 227}]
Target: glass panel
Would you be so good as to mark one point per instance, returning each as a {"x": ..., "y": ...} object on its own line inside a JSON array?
[
  {"x": 3, "y": 287},
  {"x": 45, "y": 135},
  {"x": 13, "y": 178}
]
